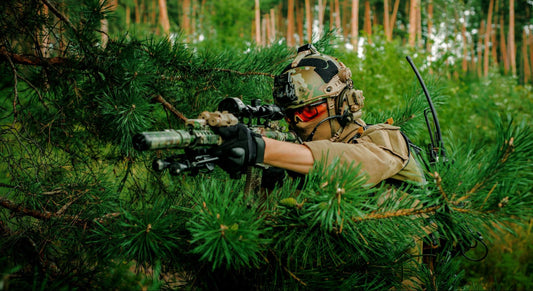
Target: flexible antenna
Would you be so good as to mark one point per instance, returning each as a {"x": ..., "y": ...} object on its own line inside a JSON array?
[{"x": 437, "y": 146}]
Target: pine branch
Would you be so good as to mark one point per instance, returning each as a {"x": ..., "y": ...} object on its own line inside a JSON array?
[
  {"x": 47, "y": 215},
  {"x": 170, "y": 107},
  {"x": 43, "y": 215},
  {"x": 32, "y": 60},
  {"x": 243, "y": 73}
]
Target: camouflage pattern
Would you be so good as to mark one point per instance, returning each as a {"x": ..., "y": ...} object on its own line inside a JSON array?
[
  {"x": 200, "y": 134},
  {"x": 306, "y": 84},
  {"x": 277, "y": 135},
  {"x": 170, "y": 138},
  {"x": 217, "y": 118}
]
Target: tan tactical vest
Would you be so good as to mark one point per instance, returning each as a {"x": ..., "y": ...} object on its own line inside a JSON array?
[{"x": 381, "y": 149}]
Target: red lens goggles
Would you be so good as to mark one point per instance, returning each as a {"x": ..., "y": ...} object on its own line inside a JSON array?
[{"x": 307, "y": 113}]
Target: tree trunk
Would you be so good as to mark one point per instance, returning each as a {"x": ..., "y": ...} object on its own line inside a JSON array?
[
  {"x": 464, "y": 64},
  {"x": 345, "y": 17},
  {"x": 493, "y": 38},
  {"x": 527, "y": 67},
  {"x": 368, "y": 21},
  {"x": 430, "y": 27},
  {"x": 487, "y": 40},
  {"x": 530, "y": 42},
  {"x": 186, "y": 21},
  {"x": 386, "y": 23},
  {"x": 257, "y": 23},
  {"x": 128, "y": 18},
  {"x": 473, "y": 63},
  {"x": 337, "y": 16},
  {"x": 413, "y": 22},
  {"x": 393, "y": 17},
  {"x": 104, "y": 30},
  {"x": 265, "y": 29},
  {"x": 163, "y": 17},
  {"x": 193, "y": 18},
  {"x": 420, "y": 41},
  {"x": 44, "y": 37},
  {"x": 273, "y": 24},
  {"x": 137, "y": 12},
  {"x": 300, "y": 22},
  {"x": 156, "y": 19},
  {"x": 503, "y": 48},
  {"x": 321, "y": 11},
  {"x": 331, "y": 12},
  {"x": 355, "y": 24},
  {"x": 290, "y": 23},
  {"x": 480, "y": 49},
  {"x": 309, "y": 21},
  {"x": 512, "y": 47}
]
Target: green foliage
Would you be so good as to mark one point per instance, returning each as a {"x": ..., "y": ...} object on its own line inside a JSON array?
[
  {"x": 145, "y": 235},
  {"x": 81, "y": 209},
  {"x": 228, "y": 26},
  {"x": 226, "y": 227},
  {"x": 508, "y": 264}
]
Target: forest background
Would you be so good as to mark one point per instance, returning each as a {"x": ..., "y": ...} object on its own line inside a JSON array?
[{"x": 479, "y": 52}]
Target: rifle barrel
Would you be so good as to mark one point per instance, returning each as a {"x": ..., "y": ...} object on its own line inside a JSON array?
[{"x": 171, "y": 138}]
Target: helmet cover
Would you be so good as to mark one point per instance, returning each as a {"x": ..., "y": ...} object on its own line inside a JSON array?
[{"x": 309, "y": 79}]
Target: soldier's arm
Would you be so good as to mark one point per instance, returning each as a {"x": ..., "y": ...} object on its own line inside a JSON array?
[{"x": 286, "y": 155}]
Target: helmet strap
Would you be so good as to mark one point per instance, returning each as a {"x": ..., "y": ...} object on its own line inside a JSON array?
[{"x": 332, "y": 112}]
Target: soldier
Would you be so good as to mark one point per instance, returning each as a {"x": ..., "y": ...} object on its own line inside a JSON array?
[{"x": 322, "y": 106}]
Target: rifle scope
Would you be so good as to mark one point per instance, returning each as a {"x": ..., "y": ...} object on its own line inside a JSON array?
[{"x": 236, "y": 107}]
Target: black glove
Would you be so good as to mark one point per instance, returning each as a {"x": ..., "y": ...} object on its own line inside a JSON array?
[{"x": 241, "y": 148}]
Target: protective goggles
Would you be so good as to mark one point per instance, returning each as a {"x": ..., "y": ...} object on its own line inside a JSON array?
[{"x": 306, "y": 113}]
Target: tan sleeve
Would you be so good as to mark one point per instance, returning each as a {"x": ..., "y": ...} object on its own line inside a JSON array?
[{"x": 382, "y": 153}]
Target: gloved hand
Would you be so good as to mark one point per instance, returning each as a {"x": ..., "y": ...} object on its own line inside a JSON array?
[{"x": 241, "y": 148}]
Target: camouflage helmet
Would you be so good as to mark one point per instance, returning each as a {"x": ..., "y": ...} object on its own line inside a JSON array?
[{"x": 310, "y": 77}]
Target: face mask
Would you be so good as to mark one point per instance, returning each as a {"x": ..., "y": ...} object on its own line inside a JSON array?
[{"x": 305, "y": 129}]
